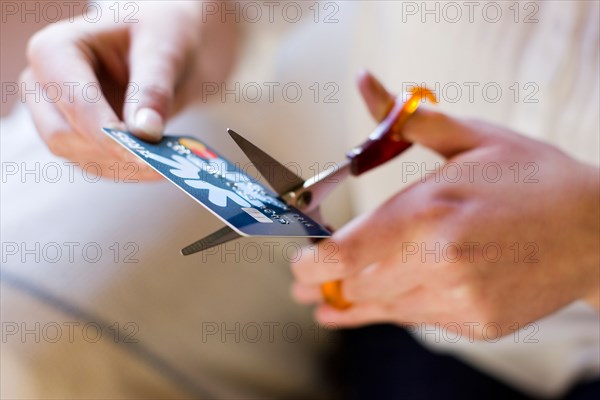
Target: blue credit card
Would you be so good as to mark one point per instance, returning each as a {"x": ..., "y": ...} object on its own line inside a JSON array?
[{"x": 247, "y": 206}]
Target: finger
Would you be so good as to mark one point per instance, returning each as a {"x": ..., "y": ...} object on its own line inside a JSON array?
[
  {"x": 339, "y": 257},
  {"x": 382, "y": 281},
  {"x": 400, "y": 310},
  {"x": 378, "y": 100},
  {"x": 58, "y": 135},
  {"x": 55, "y": 130},
  {"x": 305, "y": 294},
  {"x": 48, "y": 120},
  {"x": 353, "y": 247},
  {"x": 156, "y": 63},
  {"x": 353, "y": 251},
  {"x": 441, "y": 133},
  {"x": 81, "y": 101},
  {"x": 357, "y": 315},
  {"x": 446, "y": 135}
]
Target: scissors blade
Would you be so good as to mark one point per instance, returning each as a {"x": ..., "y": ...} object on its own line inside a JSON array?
[
  {"x": 216, "y": 238},
  {"x": 281, "y": 179}
]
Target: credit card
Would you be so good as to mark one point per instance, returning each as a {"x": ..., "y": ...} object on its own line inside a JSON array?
[{"x": 243, "y": 203}]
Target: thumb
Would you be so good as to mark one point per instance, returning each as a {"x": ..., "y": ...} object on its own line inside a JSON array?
[
  {"x": 443, "y": 134},
  {"x": 447, "y": 136},
  {"x": 155, "y": 66},
  {"x": 378, "y": 100}
]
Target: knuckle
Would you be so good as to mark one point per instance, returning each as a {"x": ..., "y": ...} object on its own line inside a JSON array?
[
  {"x": 78, "y": 106},
  {"x": 346, "y": 257},
  {"x": 72, "y": 106},
  {"x": 158, "y": 95},
  {"x": 437, "y": 208},
  {"x": 56, "y": 142},
  {"x": 475, "y": 298},
  {"x": 454, "y": 278},
  {"x": 35, "y": 45},
  {"x": 466, "y": 293},
  {"x": 26, "y": 76},
  {"x": 353, "y": 290},
  {"x": 43, "y": 42},
  {"x": 300, "y": 272}
]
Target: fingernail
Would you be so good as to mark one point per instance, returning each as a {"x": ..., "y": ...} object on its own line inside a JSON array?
[
  {"x": 149, "y": 122},
  {"x": 363, "y": 72}
]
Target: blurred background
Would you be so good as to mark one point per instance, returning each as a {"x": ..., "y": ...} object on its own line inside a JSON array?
[{"x": 96, "y": 301}]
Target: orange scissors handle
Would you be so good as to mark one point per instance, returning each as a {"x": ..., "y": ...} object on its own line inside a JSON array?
[
  {"x": 382, "y": 145},
  {"x": 386, "y": 141}
]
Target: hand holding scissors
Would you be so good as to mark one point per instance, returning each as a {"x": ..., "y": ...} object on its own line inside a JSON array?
[{"x": 503, "y": 233}]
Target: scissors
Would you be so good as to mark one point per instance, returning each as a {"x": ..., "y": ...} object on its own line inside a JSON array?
[{"x": 382, "y": 145}]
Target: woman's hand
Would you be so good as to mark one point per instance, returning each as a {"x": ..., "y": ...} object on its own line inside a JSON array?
[
  {"x": 506, "y": 232},
  {"x": 146, "y": 67}
]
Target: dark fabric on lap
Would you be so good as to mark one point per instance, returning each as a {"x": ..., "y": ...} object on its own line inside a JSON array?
[{"x": 386, "y": 362}]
